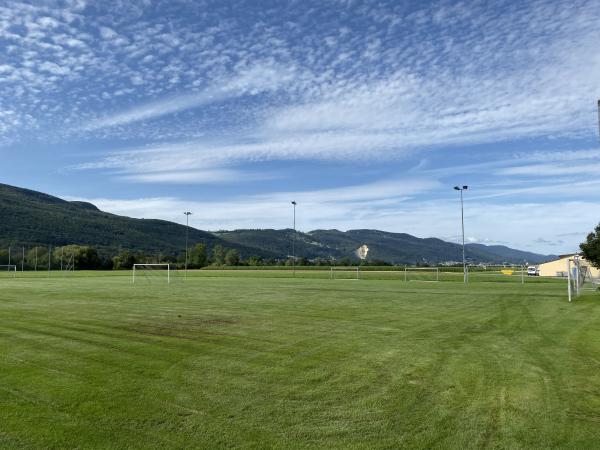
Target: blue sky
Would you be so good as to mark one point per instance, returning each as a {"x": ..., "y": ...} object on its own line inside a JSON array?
[{"x": 364, "y": 112}]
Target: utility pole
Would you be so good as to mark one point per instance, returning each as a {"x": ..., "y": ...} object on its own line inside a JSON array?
[
  {"x": 187, "y": 231},
  {"x": 462, "y": 221}
]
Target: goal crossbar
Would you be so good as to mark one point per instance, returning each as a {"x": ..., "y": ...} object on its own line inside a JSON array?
[{"x": 164, "y": 265}]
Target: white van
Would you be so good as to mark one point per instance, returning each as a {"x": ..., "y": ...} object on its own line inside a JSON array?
[{"x": 533, "y": 271}]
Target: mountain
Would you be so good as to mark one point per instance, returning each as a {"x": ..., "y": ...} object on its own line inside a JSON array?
[
  {"x": 33, "y": 218},
  {"x": 398, "y": 248},
  {"x": 507, "y": 253}
]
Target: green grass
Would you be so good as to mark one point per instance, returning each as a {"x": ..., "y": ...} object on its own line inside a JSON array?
[{"x": 255, "y": 361}]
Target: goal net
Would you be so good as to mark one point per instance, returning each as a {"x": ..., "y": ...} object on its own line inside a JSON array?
[
  {"x": 8, "y": 271},
  {"x": 344, "y": 273},
  {"x": 421, "y": 274},
  {"x": 579, "y": 277},
  {"x": 152, "y": 273}
]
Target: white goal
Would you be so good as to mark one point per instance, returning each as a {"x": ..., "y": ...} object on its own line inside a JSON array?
[
  {"x": 344, "y": 273},
  {"x": 579, "y": 278},
  {"x": 152, "y": 272},
  {"x": 8, "y": 270},
  {"x": 421, "y": 274}
]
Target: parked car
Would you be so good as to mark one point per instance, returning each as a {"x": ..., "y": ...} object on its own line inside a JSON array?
[{"x": 533, "y": 271}]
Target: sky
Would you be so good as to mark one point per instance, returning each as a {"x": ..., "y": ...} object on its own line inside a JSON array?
[{"x": 366, "y": 113}]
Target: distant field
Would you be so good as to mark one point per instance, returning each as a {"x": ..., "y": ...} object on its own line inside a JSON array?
[
  {"x": 233, "y": 359},
  {"x": 316, "y": 272}
]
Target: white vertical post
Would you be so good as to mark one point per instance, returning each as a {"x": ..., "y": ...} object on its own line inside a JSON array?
[
  {"x": 357, "y": 273},
  {"x": 168, "y": 273},
  {"x": 187, "y": 232},
  {"x": 569, "y": 278},
  {"x": 577, "y": 279},
  {"x": 35, "y": 265},
  {"x": 405, "y": 274},
  {"x": 522, "y": 274},
  {"x": 133, "y": 281},
  {"x": 294, "y": 241}
]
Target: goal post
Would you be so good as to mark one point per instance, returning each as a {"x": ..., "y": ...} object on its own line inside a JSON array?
[
  {"x": 10, "y": 270},
  {"x": 344, "y": 272},
  {"x": 579, "y": 278},
  {"x": 149, "y": 271}
]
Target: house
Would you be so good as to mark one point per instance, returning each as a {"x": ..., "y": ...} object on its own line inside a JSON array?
[{"x": 558, "y": 267}]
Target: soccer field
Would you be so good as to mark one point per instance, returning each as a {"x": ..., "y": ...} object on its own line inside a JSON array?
[{"x": 252, "y": 361}]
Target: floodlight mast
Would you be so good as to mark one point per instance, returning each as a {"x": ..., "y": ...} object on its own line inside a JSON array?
[
  {"x": 598, "y": 118},
  {"x": 294, "y": 241},
  {"x": 462, "y": 221},
  {"x": 187, "y": 231}
]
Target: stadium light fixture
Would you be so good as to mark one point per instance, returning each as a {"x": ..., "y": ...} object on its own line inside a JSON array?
[
  {"x": 294, "y": 241},
  {"x": 462, "y": 221},
  {"x": 187, "y": 232}
]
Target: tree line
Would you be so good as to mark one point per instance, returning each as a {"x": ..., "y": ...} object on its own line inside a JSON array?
[{"x": 85, "y": 257}]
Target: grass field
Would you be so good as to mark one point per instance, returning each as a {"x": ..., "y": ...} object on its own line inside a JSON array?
[{"x": 227, "y": 360}]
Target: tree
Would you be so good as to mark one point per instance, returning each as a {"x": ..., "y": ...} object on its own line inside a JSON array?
[
  {"x": 591, "y": 247},
  {"x": 124, "y": 260},
  {"x": 345, "y": 261},
  {"x": 82, "y": 257},
  {"x": 303, "y": 262},
  {"x": 198, "y": 257},
  {"x": 218, "y": 255},
  {"x": 254, "y": 261},
  {"x": 232, "y": 257}
]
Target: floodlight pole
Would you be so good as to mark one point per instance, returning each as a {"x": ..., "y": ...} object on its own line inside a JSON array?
[
  {"x": 598, "y": 118},
  {"x": 294, "y": 241},
  {"x": 187, "y": 231},
  {"x": 462, "y": 221}
]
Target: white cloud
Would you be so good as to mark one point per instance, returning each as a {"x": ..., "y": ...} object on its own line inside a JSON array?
[
  {"x": 190, "y": 177},
  {"x": 54, "y": 68},
  {"x": 545, "y": 170},
  {"x": 108, "y": 33},
  {"x": 252, "y": 81}
]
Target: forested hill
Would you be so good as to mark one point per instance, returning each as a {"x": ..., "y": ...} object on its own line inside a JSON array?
[
  {"x": 33, "y": 218},
  {"x": 398, "y": 248}
]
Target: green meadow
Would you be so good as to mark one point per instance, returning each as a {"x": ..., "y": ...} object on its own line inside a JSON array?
[{"x": 240, "y": 359}]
